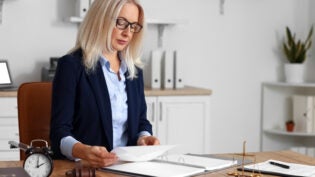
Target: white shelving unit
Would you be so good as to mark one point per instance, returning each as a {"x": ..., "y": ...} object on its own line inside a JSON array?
[
  {"x": 163, "y": 22},
  {"x": 277, "y": 108},
  {"x": 160, "y": 23},
  {"x": 9, "y": 130}
]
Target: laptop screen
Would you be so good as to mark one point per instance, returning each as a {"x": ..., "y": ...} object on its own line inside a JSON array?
[{"x": 5, "y": 77}]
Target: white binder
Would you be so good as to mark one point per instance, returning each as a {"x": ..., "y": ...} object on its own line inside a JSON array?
[
  {"x": 153, "y": 74},
  {"x": 178, "y": 70},
  {"x": 303, "y": 113},
  {"x": 82, "y": 6},
  {"x": 168, "y": 69}
]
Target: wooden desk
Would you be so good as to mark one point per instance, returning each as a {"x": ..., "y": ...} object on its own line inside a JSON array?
[{"x": 61, "y": 166}]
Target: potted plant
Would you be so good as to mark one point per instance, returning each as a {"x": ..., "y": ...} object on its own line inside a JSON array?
[
  {"x": 290, "y": 125},
  {"x": 295, "y": 51}
]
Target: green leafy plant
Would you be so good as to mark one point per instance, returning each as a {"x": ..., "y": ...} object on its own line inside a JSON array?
[{"x": 295, "y": 51}]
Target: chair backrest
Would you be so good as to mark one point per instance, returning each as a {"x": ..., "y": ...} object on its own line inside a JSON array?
[{"x": 34, "y": 112}]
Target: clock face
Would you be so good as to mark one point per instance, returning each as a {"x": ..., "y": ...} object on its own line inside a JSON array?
[{"x": 38, "y": 165}]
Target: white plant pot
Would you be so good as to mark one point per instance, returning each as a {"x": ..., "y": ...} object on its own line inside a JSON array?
[{"x": 294, "y": 73}]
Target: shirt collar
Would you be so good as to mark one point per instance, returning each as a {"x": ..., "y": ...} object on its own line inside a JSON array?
[{"x": 123, "y": 65}]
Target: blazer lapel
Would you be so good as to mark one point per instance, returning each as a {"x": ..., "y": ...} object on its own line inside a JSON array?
[
  {"x": 132, "y": 106},
  {"x": 100, "y": 90}
]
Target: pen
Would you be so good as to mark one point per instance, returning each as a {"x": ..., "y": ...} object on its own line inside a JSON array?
[{"x": 279, "y": 165}]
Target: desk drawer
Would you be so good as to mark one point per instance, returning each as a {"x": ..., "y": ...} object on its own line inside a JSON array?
[
  {"x": 11, "y": 155},
  {"x": 8, "y": 107},
  {"x": 4, "y": 145},
  {"x": 9, "y": 133},
  {"x": 9, "y": 121}
]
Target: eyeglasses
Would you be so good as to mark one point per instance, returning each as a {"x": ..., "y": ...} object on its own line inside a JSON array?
[{"x": 122, "y": 24}]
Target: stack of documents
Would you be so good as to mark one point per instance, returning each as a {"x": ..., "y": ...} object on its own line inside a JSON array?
[
  {"x": 151, "y": 168},
  {"x": 152, "y": 161},
  {"x": 206, "y": 163},
  {"x": 275, "y": 167},
  {"x": 140, "y": 153}
]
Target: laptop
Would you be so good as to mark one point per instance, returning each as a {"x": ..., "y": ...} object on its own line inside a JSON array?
[{"x": 5, "y": 76}]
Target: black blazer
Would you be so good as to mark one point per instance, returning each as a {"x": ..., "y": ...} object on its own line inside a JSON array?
[{"x": 81, "y": 105}]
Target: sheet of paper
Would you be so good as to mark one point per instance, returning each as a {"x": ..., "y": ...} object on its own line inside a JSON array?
[
  {"x": 294, "y": 170},
  {"x": 198, "y": 161},
  {"x": 141, "y": 153},
  {"x": 153, "y": 168}
]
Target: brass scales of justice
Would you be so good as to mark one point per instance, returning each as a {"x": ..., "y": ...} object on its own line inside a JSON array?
[{"x": 241, "y": 173}]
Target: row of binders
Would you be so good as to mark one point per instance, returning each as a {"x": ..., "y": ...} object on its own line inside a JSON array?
[
  {"x": 304, "y": 113},
  {"x": 164, "y": 70},
  {"x": 82, "y": 6}
]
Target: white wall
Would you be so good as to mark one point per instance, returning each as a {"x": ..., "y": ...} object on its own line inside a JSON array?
[
  {"x": 31, "y": 32},
  {"x": 232, "y": 54},
  {"x": 311, "y": 62}
]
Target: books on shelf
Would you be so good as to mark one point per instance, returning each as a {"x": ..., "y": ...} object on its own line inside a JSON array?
[{"x": 304, "y": 113}]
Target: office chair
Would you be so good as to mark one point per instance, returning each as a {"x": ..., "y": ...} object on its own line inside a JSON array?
[{"x": 34, "y": 109}]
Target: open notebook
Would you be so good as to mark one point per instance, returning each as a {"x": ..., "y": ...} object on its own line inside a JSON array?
[
  {"x": 175, "y": 165},
  {"x": 153, "y": 168},
  {"x": 171, "y": 166},
  {"x": 293, "y": 169},
  {"x": 206, "y": 163}
]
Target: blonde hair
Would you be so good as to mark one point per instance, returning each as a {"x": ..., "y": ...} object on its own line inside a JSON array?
[{"x": 94, "y": 35}]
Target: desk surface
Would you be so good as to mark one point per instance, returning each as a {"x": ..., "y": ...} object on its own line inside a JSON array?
[
  {"x": 186, "y": 91},
  {"x": 61, "y": 166}
]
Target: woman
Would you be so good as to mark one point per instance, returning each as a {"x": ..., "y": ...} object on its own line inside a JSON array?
[{"x": 98, "y": 93}]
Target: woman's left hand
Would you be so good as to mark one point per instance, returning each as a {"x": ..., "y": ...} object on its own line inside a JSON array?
[{"x": 148, "y": 140}]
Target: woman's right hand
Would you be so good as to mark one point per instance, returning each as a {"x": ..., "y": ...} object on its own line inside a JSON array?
[{"x": 95, "y": 156}]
